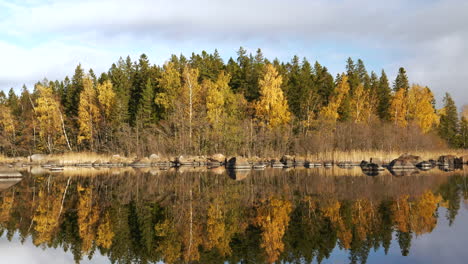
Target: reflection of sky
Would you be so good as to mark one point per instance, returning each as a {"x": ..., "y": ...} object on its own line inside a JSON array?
[{"x": 444, "y": 245}]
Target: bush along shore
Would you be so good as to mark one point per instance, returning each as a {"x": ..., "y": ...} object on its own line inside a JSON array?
[{"x": 401, "y": 165}]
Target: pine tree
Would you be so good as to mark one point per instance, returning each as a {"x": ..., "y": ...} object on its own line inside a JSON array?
[
  {"x": 401, "y": 81},
  {"x": 146, "y": 110},
  {"x": 324, "y": 83},
  {"x": 448, "y": 127}
]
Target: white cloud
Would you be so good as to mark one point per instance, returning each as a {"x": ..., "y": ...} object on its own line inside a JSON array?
[{"x": 426, "y": 37}]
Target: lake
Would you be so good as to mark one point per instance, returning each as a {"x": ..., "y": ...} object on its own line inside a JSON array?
[{"x": 200, "y": 215}]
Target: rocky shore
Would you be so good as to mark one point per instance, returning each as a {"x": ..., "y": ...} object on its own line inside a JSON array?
[{"x": 400, "y": 166}]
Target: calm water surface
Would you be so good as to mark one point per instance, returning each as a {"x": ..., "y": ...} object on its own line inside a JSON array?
[{"x": 213, "y": 216}]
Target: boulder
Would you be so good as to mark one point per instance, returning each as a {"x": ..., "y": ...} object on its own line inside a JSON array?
[
  {"x": 185, "y": 160},
  {"x": 36, "y": 158},
  {"x": 405, "y": 162},
  {"x": 141, "y": 163},
  {"x": 287, "y": 160},
  {"x": 449, "y": 160},
  {"x": 238, "y": 162},
  {"x": 464, "y": 159},
  {"x": 154, "y": 157},
  {"x": 115, "y": 159},
  {"x": 217, "y": 158}
]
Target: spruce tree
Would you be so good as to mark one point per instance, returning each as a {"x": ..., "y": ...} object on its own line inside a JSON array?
[
  {"x": 384, "y": 97},
  {"x": 73, "y": 93},
  {"x": 401, "y": 81},
  {"x": 448, "y": 127}
]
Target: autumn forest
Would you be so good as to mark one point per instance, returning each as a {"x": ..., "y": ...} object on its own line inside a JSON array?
[{"x": 246, "y": 106}]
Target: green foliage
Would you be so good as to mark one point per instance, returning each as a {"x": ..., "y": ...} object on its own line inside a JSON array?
[{"x": 448, "y": 127}]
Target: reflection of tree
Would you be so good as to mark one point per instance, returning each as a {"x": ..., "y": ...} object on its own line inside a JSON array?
[
  {"x": 273, "y": 218},
  {"x": 88, "y": 215},
  {"x": 205, "y": 218},
  {"x": 46, "y": 218}
]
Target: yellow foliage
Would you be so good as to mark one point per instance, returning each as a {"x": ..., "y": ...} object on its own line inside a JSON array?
[
  {"x": 273, "y": 218},
  {"x": 423, "y": 215},
  {"x": 362, "y": 217},
  {"x": 105, "y": 233},
  {"x": 48, "y": 115},
  {"x": 216, "y": 230},
  {"x": 421, "y": 109},
  {"x": 47, "y": 213},
  {"x": 361, "y": 104},
  {"x": 401, "y": 213},
  {"x": 272, "y": 107},
  {"x": 7, "y": 123},
  {"x": 170, "y": 245},
  {"x": 88, "y": 215},
  {"x": 88, "y": 111},
  {"x": 5, "y": 208},
  {"x": 398, "y": 108},
  {"x": 106, "y": 97},
  {"x": 332, "y": 212},
  {"x": 330, "y": 112},
  {"x": 170, "y": 84}
]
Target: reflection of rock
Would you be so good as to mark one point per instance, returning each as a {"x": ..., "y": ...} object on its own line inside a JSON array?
[
  {"x": 218, "y": 170},
  {"x": 371, "y": 172},
  {"x": 36, "y": 170},
  {"x": 237, "y": 174},
  {"x": 450, "y": 161},
  {"x": 425, "y": 165},
  {"x": 277, "y": 164},
  {"x": 312, "y": 164},
  {"x": 141, "y": 163},
  {"x": 370, "y": 167},
  {"x": 403, "y": 172},
  {"x": 9, "y": 178}
]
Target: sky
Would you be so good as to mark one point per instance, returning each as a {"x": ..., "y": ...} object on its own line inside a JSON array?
[{"x": 48, "y": 38}]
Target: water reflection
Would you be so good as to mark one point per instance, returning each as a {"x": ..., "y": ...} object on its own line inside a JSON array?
[{"x": 273, "y": 215}]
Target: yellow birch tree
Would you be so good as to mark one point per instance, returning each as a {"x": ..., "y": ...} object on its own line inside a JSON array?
[
  {"x": 272, "y": 107},
  {"x": 399, "y": 108},
  {"x": 48, "y": 116},
  {"x": 421, "y": 109},
  {"x": 330, "y": 112},
  {"x": 88, "y": 112}
]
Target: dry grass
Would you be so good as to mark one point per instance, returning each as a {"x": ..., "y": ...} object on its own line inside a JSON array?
[{"x": 384, "y": 156}]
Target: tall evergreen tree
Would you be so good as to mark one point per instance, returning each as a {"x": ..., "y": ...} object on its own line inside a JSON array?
[
  {"x": 73, "y": 93},
  {"x": 401, "y": 81},
  {"x": 384, "y": 97},
  {"x": 448, "y": 127}
]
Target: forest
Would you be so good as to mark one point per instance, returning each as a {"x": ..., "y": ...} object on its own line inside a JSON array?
[{"x": 247, "y": 106}]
